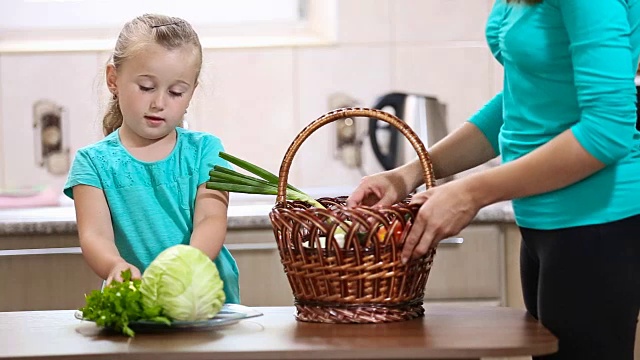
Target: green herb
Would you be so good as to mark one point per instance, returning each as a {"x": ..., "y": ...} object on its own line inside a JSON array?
[{"x": 119, "y": 304}]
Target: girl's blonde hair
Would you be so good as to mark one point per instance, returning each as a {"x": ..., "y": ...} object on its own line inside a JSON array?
[{"x": 167, "y": 31}]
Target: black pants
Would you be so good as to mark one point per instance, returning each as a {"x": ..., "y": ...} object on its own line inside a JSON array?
[{"x": 583, "y": 284}]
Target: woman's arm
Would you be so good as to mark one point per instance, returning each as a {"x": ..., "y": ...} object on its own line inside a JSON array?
[
  {"x": 560, "y": 162},
  {"x": 474, "y": 143},
  {"x": 96, "y": 233},
  {"x": 210, "y": 221},
  {"x": 448, "y": 208},
  {"x": 463, "y": 149}
]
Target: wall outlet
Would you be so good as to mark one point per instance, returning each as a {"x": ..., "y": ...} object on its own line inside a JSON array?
[
  {"x": 51, "y": 137},
  {"x": 347, "y": 143}
]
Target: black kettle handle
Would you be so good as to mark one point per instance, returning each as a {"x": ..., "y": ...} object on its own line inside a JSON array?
[{"x": 396, "y": 101}]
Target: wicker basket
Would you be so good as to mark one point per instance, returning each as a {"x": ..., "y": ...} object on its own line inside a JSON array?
[{"x": 357, "y": 275}]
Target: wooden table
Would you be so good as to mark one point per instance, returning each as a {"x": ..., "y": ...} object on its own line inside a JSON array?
[{"x": 446, "y": 332}]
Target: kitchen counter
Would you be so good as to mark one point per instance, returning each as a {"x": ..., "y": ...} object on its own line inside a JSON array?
[
  {"x": 446, "y": 332},
  {"x": 241, "y": 215}
]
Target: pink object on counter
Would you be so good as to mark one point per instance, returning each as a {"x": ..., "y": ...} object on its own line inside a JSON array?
[{"x": 45, "y": 197}]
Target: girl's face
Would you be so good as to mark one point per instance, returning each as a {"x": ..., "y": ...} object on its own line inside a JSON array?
[{"x": 154, "y": 89}]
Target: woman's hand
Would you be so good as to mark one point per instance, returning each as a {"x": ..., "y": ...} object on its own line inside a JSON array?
[
  {"x": 382, "y": 189},
  {"x": 118, "y": 268},
  {"x": 445, "y": 211}
]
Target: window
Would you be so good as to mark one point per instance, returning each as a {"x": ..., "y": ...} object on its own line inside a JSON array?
[{"x": 73, "y": 25}]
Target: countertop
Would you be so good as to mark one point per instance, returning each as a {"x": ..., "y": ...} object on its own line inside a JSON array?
[
  {"x": 245, "y": 212},
  {"x": 446, "y": 332}
]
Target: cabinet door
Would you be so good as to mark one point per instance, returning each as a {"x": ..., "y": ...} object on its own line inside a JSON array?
[
  {"x": 262, "y": 278},
  {"x": 467, "y": 271},
  {"x": 44, "y": 279},
  {"x": 470, "y": 270}
]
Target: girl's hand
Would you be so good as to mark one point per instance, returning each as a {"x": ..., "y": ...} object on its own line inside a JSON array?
[
  {"x": 445, "y": 211},
  {"x": 116, "y": 272}
]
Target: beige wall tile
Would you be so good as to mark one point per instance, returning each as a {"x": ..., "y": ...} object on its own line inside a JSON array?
[
  {"x": 2, "y": 153},
  {"x": 458, "y": 76},
  {"x": 439, "y": 20},
  {"x": 66, "y": 79},
  {"x": 246, "y": 98},
  {"x": 464, "y": 78},
  {"x": 257, "y": 100},
  {"x": 361, "y": 72},
  {"x": 101, "y": 91},
  {"x": 364, "y": 21}
]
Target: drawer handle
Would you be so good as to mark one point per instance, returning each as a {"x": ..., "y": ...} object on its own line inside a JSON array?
[
  {"x": 232, "y": 247},
  {"x": 78, "y": 250},
  {"x": 252, "y": 246},
  {"x": 452, "y": 241},
  {"x": 46, "y": 251}
]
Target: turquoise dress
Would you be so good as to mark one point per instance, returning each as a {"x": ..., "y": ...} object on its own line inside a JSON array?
[
  {"x": 569, "y": 64},
  {"x": 152, "y": 203}
]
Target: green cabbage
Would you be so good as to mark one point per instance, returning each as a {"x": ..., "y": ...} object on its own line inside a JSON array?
[{"x": 185, "y": 283}]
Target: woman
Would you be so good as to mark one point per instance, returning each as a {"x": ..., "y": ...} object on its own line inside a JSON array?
[{"x": 564, "y": 126}]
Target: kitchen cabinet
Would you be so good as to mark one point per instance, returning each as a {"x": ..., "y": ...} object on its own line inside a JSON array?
[
  {"x": 47, "y": 272},
  {"x": 262, "y": 279},
  {"x": 471, "y": 271}
]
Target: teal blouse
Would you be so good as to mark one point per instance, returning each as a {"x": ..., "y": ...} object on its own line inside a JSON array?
[
  {"x": 152, "y": 203},
  {"x": 569, "y": 64}
]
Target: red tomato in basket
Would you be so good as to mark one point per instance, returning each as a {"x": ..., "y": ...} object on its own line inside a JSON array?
[{"x": 396, "y": 232}]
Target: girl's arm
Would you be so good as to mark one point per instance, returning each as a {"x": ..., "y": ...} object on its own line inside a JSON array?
[
  {"x": 210, "y": 221},
  {"x": 96, "y": 234}
]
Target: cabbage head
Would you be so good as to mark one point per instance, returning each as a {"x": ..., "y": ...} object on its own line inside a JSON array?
[{"x": 185, "y": 283}]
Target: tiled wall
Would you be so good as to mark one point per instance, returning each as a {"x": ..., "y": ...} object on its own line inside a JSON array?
[{"x": 257, "y": 100}]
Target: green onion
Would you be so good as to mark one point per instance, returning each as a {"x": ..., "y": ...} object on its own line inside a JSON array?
[
  {"x": 266, "y": 183},
  {"x": 256, "y": 170}
]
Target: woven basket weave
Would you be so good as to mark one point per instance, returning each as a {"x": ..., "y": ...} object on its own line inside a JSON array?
[{"x": 357, "y": 275}]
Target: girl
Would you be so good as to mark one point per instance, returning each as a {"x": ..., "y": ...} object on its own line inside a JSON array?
[
  {"x": 141, "y": 189},
  {"x": 565, "y": 127}
]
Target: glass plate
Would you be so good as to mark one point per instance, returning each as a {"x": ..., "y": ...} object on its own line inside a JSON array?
[{"x": 228, "y": 315}]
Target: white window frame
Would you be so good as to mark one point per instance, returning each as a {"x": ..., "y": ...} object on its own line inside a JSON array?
[{"x": 318, "y": 28}]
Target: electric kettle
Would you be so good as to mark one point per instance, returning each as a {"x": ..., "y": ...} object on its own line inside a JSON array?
[{"x": 424, "y": 114}]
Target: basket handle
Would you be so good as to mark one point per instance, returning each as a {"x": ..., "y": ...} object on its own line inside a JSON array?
[{"x": 423, "y": 155}]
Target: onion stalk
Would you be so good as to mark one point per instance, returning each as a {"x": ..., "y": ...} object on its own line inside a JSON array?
[{"x": 266, "y": 183}]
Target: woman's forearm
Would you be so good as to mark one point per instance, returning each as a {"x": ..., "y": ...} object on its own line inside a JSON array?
[
  {"x": 559, "y": 163},
  {"x": 463, "y": 149}
]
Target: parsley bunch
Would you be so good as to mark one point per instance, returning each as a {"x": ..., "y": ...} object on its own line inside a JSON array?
[{"x": 120, "y": 303}]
